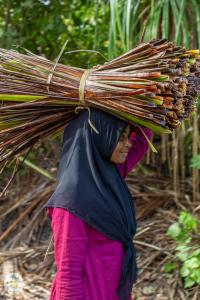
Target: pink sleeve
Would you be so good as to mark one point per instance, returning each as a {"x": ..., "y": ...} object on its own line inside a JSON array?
[
  {"x": 70, "y": 246},
  {"x": 137, "y": 151}
]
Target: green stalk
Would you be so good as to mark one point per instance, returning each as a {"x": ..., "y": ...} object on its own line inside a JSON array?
[
  {"x": 20, "y": 98},
  {"x": 37, "y": 168},
  {"x": 179, "y": 20},
  {"x": 165, "y": 19}
]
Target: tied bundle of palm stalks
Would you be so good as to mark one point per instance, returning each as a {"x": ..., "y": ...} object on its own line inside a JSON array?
[{"x": 155, "y": 84}]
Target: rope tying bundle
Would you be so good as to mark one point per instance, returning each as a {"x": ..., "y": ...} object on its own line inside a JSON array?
[{"x": 82, "y": 99}]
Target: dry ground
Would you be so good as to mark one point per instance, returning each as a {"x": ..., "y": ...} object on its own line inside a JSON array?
[{"x": 25, "y": 234}]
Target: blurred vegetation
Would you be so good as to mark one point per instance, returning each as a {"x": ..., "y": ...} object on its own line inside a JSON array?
[
  {"x": 43, "y": 27},
  {"x": 185, "y": 232},
  {"x": 110, "y": 27},
  {"x": 176, "y": 20}
]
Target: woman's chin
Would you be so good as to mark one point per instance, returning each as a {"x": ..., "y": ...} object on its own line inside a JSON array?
[
  {"x": 119, "y": 160},
  {"x": 122, "y": 159}
]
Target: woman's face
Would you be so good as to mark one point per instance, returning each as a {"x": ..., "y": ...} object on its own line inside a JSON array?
[{"x": 122, "y": 148}]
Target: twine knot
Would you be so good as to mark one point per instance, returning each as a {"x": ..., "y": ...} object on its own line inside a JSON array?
[{"x": 82, "y": 105}]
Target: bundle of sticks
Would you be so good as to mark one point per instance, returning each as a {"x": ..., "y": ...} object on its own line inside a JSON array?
[{"x": 155, "y": 84}]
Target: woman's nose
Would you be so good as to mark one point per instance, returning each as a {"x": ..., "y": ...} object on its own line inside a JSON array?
[{"x": 128, "y": 143}]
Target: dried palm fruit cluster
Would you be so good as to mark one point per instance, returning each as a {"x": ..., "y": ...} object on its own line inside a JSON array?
[{"x": 155, "y": 84}]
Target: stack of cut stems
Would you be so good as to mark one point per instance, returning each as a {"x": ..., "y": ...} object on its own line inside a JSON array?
[{"x": 155, "y": 84}]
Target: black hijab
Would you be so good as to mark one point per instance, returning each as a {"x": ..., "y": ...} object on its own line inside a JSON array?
[{"x": 90, "y": 186}]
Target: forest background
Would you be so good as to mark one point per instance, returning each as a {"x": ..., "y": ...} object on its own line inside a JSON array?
[{"x": 171, "y": 177}]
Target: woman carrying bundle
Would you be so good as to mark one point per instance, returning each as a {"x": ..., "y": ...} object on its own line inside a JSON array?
[{"x": 92, "y": 211}]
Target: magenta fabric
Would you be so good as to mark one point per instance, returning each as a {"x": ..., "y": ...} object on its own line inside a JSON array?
[
  {"x": 137, "y": 151},
  {"x": 89, "y": 264}
]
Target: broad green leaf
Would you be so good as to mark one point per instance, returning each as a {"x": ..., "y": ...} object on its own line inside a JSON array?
[
  {"x": 169, "y": 267},
  {"x": 196, "y": 275},
  {"x": 192, "y": 263},
  {"x": 183, "y": 248},
  {"x": 189, "y": 221},
  {"x": 174, "y": 230},
  {"x": 195, "y": 253},
  {"x": 184, "y": 271},
  {"x": 183, "y": 256},
  {"x": 188, "y": 282}
]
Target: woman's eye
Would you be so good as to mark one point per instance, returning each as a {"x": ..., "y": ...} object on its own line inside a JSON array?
[{"x": 123, "y": 137}]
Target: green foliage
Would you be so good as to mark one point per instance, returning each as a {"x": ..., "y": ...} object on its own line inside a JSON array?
[
  {"x": 186, "y": 234},
  {"x": 195, "y": 162},
  {"x": 44, "y": 26},
  {"x": 114, "y": 26},
  {"x": 177, "y": 20},
  {"x": 170, "y": 266}
]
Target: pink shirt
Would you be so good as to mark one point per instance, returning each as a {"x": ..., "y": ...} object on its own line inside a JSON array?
[{"x": 89, "y": 264}]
